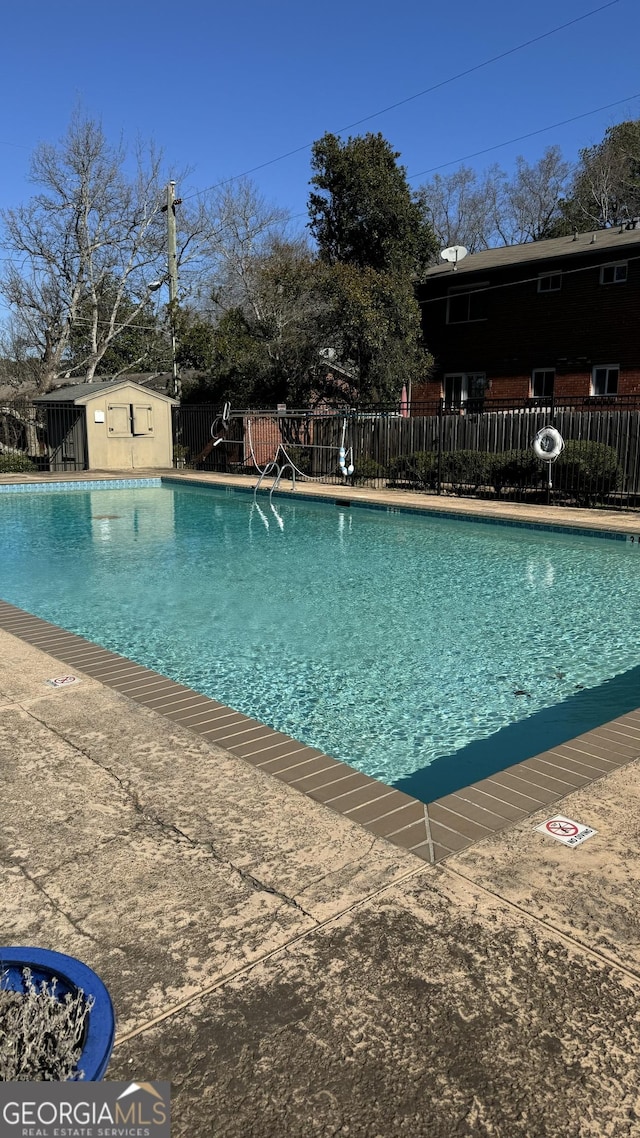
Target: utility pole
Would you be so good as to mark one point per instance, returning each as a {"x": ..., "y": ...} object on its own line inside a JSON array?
[{"x": 170, "y": 208}]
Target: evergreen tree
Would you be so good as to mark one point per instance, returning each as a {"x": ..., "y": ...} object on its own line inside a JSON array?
[
  {"x": 365, "y": 213},
  {"x": 372, "y": 233}
]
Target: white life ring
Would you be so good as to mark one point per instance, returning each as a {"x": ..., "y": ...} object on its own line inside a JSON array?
[{"x": 548, "y": 444}]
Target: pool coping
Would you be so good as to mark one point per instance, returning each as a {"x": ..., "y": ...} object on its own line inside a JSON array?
[
  {"x": 562, "y": 519},
  {"x": 431, "y": 831},
  {"x": 565, "y": 519}
]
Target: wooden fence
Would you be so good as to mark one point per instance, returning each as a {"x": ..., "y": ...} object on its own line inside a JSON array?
[
  {"x": 384, "y": 438},
  {"x": 379, "y": 439}
]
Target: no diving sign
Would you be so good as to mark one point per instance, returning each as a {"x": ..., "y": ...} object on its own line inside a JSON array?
[
  {"x": 63, "y": 681},
  {"x": 565, "y": 830}
]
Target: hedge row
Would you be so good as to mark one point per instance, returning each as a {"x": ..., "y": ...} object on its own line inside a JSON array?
[{"x": 587, "y": 469}]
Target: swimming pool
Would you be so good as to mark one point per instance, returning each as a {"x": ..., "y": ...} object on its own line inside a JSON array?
[{"x": 402, "y": 644}]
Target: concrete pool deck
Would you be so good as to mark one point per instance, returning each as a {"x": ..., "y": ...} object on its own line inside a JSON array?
[
  {"x": 295, "y": 973},
  {"x": 292, "y": 974}
]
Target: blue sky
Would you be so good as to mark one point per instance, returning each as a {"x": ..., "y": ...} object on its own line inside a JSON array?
[{"x": 225, "y": 88}]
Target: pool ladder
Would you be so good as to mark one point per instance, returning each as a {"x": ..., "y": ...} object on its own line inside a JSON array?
[{"x": 269, "y": 469}]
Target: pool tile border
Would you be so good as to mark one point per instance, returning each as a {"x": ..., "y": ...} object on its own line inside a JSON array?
[
  {"x": 344, "y": 500},
  {"x": 78, "y": 484},
  {"x": 431, "y": 831},
  {"x": 338, "y": 496}
]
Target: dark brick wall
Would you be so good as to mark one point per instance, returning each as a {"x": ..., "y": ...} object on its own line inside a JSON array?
[{"x": 581, "y": 325}]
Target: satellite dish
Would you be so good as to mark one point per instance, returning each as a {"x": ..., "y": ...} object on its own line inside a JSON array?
[
  {"x": 328, "y": 353},
  {"x": 454, "y": 253}
]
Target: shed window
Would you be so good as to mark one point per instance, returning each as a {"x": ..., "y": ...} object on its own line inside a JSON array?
[
  {"x": 127, "y": 419},
  {"x": 119, "y": 419},
  {"x": 142, "y": 418}
]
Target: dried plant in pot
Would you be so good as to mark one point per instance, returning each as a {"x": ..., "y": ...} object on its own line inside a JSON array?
[
  {"x": 180, "y": 456},
  {"x": 56, "y": 1018}
]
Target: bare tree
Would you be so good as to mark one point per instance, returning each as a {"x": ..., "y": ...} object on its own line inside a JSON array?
[
  {"x": 489, "y": 209},
  {"x": 529, "y": 205},
  {"x": 606, "y": 185},
  {"x": 19, "y": 367},
  {"x": 256, "y": 321},
  {"x": 92, "y": 231},
  {"x": 461, "y": 206},
  {"x": 267, "y": 346},
  {"x": 242, "y": 227}
]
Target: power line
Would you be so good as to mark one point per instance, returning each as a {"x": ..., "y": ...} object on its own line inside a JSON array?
[
  {"x": 17, "y": 145},
  {"x": 521, "y": 137},
  {"x": 430, "y": 169},
  {"x": 412, "y": 177},
  {"x": 85, "y": 321},
  {"x": 417, "y": 95},
  {"x": 426, "y": 91},
  {"x": 496, "y": 146}
]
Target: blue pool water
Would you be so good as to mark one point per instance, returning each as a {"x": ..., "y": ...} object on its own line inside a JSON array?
[{"x": 394, "y": 642}]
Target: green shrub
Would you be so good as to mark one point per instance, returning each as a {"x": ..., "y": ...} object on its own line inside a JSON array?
[
  {"x": 466, "y": 469},
  {"x": 516, "y": 468},
  {"x": 461, "y": 469},
  {"x": 16, "y": 464},
  {"x": 589, "y": 470},
  {"x": 366, "y": 469},
  {"x": 418, "y": 469}
]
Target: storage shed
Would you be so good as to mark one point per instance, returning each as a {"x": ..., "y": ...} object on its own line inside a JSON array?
[{"x": 108, "y": 426}]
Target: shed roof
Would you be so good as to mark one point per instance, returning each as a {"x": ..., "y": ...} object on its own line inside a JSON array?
[
  {"x": 83, "y": 392},
  {"x": 610, "y": 241}
]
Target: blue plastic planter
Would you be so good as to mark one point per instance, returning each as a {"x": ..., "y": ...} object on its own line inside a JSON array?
[{"x": 71, "y": 975}]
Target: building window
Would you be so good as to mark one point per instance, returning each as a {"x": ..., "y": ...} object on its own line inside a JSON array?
[
  {"x": 604, "y": 380},
  {"x": 549, "y": 282},
  {"x": 614, "y": 274},
  {"x": 542, "y": 381},
  {"x": 465, "y": 304},
  {"x": 464, "y": 387}
]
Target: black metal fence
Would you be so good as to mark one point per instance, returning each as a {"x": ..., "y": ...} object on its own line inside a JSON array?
[
  {"x": 39, "y": 437},
  {"x": 439, "y": 449},
  {"x": 459, "y": 450}
]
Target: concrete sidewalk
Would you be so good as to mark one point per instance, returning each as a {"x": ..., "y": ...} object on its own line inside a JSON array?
[{"x": 293, "y": 975}]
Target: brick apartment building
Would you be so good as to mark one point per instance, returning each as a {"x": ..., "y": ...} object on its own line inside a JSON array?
[{"x": 559, "y": 317}]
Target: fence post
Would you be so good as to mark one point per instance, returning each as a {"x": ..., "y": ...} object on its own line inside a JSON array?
[
  {"x": 439, "y": 475},
  {"x": 553, "y": 423}
]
